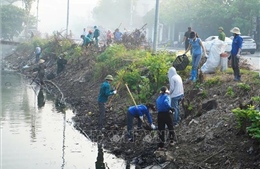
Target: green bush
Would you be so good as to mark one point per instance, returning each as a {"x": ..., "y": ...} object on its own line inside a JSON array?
[
  {"x": 249, "y": 120},
  {"x": 244, "y": 86},
  {"x": 213, "y": 81},
  {"x": 230, "y": 91}
]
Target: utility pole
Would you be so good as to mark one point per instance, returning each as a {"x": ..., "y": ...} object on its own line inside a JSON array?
[
  {"x": 37, "y": 15},
  {"x": 67, "y": 26},
  {"x": 131, "y": 15},
  {"x": 155, "y": 36}
]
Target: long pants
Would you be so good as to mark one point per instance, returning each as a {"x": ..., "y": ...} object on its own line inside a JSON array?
[
  {"x": 130, "y": 120},
  {"x": 235, "y": 67},
  {"x": 102, "y": 111},
  {"x": 165, "y": 118},
  {"x": 96, "y": 41},
  {"x": 37, "y": 58},
  {"x": 195, "y": 61},
  {"x": 175, "y": 104}
]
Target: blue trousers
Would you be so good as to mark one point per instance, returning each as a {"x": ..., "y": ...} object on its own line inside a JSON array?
[
  {"x": 130, "y": 121},
  {"x": 175, "y": 104},
  {"x": 195, "y": 61}
]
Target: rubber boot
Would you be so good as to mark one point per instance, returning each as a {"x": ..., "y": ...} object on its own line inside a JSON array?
[
  {"x": 191, "y": 75},
  {"x": 194, "y": 75}
]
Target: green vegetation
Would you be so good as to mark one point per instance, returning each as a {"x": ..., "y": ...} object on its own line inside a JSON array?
[
  {"x": 12, "y": 19},
  {"x": 230, "y": 91},
  {"x": 249, "y": 121},
  {"x": 206, "y": 16},
  {"x": 244, "y": 87},
  {"x": 213, "y": 81},
  {"x": 142, "y": 71}
]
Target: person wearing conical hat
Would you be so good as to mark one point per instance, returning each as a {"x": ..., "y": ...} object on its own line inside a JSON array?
[
  {"x": 235, "y": 52},
  {"x": 104, "y": 92},
  {"x": 222, "y": 35}
]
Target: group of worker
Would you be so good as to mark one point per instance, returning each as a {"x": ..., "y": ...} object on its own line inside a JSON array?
[
  {"x": 167, "y": 106},
  {"x": 194, "y": 44},
  {"x": 40, "y": 66},
  {"x": 92, "y": 37}
]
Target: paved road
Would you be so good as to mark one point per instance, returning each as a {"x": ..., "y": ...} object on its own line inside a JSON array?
[{"x": 253, "y": 59}]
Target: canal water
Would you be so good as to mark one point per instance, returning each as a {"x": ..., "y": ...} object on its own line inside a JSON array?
[{"x": 35, "y": 134}]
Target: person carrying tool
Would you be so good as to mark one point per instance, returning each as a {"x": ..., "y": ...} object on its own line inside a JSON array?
[
  {"x": 163, "y": 104},
  {"x": 138, "y": 111},
  {"x": 104, "y": 92},
  {"x": 176, "y": 93}
]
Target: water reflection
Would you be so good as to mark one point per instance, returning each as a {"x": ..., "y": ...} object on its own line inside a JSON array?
[
  {"x": 100, "y": 158},
  {"x": 41, "y": 98},
  {"x": 63, "y": 140},
  {"x": 37, "y": 132}
]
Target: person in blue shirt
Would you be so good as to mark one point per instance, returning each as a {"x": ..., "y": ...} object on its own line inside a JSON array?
[
  {"x": 163, "y": 104},
  {"x": 235, "y": 52},
  {"x": 118, "y": 35},
  {"x": 104, "y": 92},
  {"x": 87, "y": 39},
  {"x": 196, "y": 46},
  {"x": 138, "y": 112}
]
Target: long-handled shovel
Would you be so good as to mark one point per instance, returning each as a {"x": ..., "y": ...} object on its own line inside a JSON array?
[
  {"x": 117, "y": 87},
  {"x": 147, "y": 126}
]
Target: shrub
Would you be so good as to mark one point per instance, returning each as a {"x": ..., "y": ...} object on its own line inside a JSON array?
[{"x": 248, "y": 120}]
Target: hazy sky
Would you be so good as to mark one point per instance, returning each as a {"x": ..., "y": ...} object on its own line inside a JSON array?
[{"x": 53, "y": 15}]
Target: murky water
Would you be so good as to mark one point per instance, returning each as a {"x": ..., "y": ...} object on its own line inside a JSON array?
[{"x": 36, "y": 135}]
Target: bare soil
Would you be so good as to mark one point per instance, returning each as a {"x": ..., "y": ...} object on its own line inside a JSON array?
[{"x": 205, "y": 138}]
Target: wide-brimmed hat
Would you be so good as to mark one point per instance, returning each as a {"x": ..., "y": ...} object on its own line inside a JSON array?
[
  {"x": 235, "y": 30},
  {"x": 109, "y": 77},
  {"x": 220, "y": 28},
  {"x": 164, "y": 89},
  {"x": 41, "y": 61}
]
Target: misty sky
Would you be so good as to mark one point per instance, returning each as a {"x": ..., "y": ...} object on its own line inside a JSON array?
[{"x": 53, "y": 15}]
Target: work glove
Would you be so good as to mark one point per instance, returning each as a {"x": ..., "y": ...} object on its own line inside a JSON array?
[
  {"x": 238, "y": 56},
  {"x": 171, "y": 110},
  {"x": 153, "y": 126},
  {"x": 114, "y": 92},
  {"x": 141, "y": 118}
]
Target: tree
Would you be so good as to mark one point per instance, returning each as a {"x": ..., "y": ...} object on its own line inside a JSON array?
[
  {"x": 206, "y": 16},
  {"x": 12, "y": 19}
]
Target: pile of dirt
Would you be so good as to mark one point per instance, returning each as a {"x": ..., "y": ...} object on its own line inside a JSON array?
[{"x": 206, "y": 137}]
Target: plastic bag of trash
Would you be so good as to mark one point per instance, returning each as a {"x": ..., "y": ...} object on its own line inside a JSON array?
[{"x": 213, "y": 59}]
